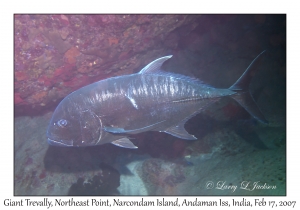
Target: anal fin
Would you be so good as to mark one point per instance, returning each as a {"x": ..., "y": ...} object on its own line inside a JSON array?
[
  {"x": 124, "y": 142},
  {"x": 180, "y": 132}
]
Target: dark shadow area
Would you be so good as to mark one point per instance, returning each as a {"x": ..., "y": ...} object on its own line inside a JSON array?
[
  {"x": 245, "y": 129},
  {"x": 69, "y": 160},
  {"x": 105, "y": 183}
]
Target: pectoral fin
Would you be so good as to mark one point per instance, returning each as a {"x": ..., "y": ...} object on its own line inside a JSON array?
[
  {"x": 115, "y": 130},
  {"x": 124, "y": 142},
  {"x": 180, "y": 132}
]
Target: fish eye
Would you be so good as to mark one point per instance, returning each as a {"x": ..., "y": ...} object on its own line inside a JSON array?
[{"x": 62, "y": 123}]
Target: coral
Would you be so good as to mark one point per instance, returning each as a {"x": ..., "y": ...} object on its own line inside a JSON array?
[
  {"x": 71, "y": 55},
  {"x": 112, "y": 40},
  {"x": 105, "y": 183},
  {"x": 19, "y": 76},
  {"x": 18, "y": 99},
  {"x": 161, "y": 176},
  {"x": 39, "y": 96}
]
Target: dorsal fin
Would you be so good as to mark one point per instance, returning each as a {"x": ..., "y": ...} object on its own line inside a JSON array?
[{"x": 154, "y": 65}]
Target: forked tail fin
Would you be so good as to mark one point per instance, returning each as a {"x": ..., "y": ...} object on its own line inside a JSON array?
[{"x": 243, "y": 96}]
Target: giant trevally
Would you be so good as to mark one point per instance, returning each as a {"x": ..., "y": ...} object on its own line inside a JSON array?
[{"x": 108, "y": 111}]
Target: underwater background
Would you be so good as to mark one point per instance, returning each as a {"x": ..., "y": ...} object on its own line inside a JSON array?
[{"x": 57, "y": 54}]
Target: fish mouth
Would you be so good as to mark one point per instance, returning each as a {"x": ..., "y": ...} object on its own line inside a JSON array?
[{"x": 61, "y": 143}]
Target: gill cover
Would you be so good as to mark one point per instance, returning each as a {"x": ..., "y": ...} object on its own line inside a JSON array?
[{"x": 91, "y": 128}]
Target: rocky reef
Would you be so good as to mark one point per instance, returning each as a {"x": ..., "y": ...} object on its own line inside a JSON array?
[{"x": 57, "y": 54}]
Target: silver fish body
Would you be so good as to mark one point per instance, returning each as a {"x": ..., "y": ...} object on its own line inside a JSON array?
[{"x": 110, "y": 110}]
